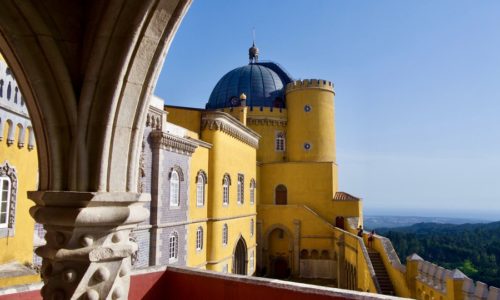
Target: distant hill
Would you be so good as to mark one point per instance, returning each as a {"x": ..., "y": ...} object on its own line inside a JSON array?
[
  {"x": 472, "y": 248},
  {"x": 374, "y": 222}
]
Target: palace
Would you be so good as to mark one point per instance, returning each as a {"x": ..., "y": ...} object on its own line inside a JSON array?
[{"x": 247, "y": 185}]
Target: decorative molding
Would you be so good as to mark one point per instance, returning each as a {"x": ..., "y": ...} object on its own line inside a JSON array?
[
  {"x": 267, "y": 121},
  {"x": 169, "y": 142},
  {"x": 217, "y": 120},
  {"x": 8, "y": 171}
]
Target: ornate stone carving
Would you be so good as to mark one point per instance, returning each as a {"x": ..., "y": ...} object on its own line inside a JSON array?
[
  {"x": 172, "y": 143},
  {"x": 224, "y": 122},
  {"x": 142, "y": 170},
  {"x": 8, "y": 171},
  {"x": 266, "y": 121},
  {"x": 88, "y": 251}
]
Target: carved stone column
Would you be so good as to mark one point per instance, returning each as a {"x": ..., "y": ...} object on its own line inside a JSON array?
[{"x": 88, "y": 249}]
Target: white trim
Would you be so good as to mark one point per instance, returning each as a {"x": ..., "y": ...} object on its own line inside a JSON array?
[{"x": 5, "y": 203}]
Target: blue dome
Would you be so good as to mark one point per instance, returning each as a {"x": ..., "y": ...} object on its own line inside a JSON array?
[{"x": 263, "y": 84}]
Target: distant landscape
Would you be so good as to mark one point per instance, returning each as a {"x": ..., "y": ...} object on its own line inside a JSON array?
[
  {"x": 474, "y": 248},
  {"x": 373, "y": 222}
]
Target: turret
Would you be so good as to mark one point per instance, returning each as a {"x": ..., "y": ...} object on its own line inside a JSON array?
[{"x": 311, "y": 127}]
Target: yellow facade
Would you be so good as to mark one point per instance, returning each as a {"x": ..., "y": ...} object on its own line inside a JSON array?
[
  {"x": 16, "y": 242},
  {"x": 226, "y": 148}
]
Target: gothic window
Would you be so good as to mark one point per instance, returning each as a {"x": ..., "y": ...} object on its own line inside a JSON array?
[
  {"x": 252, "y": 225},
  {"x": 226, "y": 182},
  {"x": 8, "y": 192},
  {"x": 252, "y": 191},
  {"x": 201, "y": 180},
  {"x": 225, "y": 234},
  {"x": 173, "y": 246},
  {"x": 9, "y": 91},
  {"x": 199, "y": 238},
  {"x": 280, "y": 141},
  {"x": 174, "y": 188},
  {"x": 241, "y": 184},
  {"x": 281, "y": 195},
  {"x": 4, "y": 201}
]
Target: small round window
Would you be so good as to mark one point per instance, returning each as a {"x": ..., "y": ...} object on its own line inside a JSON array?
[
  {"x": 307, "y": 146},
  {"x": 307, "y": 108}
]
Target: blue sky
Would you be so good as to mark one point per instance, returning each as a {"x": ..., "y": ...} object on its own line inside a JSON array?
[{"x": 417, "y": 89}]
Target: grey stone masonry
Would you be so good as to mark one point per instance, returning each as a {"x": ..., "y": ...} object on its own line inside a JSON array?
[{"x": 164, "y": 149}]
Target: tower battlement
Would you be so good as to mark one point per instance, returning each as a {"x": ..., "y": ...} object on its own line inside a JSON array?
[{"x": 310, "y": 83}]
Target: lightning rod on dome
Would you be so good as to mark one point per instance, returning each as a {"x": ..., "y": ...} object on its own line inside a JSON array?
[{"x": 253, "y": 52}]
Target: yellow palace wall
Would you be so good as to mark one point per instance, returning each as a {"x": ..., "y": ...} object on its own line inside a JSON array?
[
  {"x": 19, "y": 247},
  {"x": 232, "y": 156},
  {"x": 197, "y": 214}
]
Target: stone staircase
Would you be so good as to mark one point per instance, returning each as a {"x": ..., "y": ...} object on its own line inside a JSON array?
[{"x": 381, "y": 273}]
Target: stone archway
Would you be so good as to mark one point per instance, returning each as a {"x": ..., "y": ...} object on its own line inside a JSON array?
[
  {"x": 87, "y": 70},
  {"x": 240, "y": 257}
]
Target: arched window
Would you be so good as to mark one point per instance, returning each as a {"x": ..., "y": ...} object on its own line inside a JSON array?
[
  {"x": 200, "y": 188},
  {"x": 226, "y": 182},
  {"x": 280, "y": 141},
  {"x": 252, "y": 191},
  {"x": 281, "y": 195},
  {"x": 5, "y": 191},
  {"x": 173, "y": 246},
  {"x": 10, "y": 132},
  {"x": 325, "y": 254},
  {"x": 241, "y": 185},
  {"x": 174, "y": 188},
  {"x": 199, "y": 238},
  {"x": 252, "y": 226},
  {"x": 304, "y": 254},
  {"x": 225, "y": 234},
  {"x": 20, "y": 136},
  {"x": 8, "y": 192},
  {"x": 314, "y": 254},
  {"x": 31, "y": 138}
]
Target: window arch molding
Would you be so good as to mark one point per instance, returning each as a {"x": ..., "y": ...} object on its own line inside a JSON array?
[
  {"x": 177, "y": 169},
  {"x": 226, "y": 176},
  {"x": 203, "y": 175},
  {"x": 201, "y": 181},
  {"x": 8, "y": 172}
]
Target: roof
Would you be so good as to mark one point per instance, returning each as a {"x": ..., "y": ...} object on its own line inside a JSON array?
[
  {"x": 262, "y": 82},
  {"x": 345, "y": 196}
]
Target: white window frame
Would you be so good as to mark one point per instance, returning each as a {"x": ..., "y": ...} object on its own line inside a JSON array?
[
  {"x": 252, "y": 191},
  {"x": 173, "y": 247},
  {"x": 174, "y": 188},
  {"x": 241, "y": 189},
  {"x": 200, "y": 190},
  {"x": 280, "y": 141},
  {"x": 5, "y": 201},
  {"x": 225, "y": 234},
  {"x": 225, "y": 190},
  {"x": 199, "y": 238}
]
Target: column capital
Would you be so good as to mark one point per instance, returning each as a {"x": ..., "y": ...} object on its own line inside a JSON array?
[{"x": 88, "y": 246}]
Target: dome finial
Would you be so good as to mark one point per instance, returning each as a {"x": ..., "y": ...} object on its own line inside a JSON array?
[{"x": 253, "y": 52}]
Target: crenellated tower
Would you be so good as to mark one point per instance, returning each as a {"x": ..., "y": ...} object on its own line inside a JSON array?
[{"x": 311, "y": 125}]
